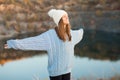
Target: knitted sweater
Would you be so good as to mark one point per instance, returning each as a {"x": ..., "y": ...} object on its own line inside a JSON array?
[{"x": 60, "y": 53}]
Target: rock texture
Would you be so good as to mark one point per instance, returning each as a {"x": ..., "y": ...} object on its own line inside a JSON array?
[{"x": 24, "y": 16}]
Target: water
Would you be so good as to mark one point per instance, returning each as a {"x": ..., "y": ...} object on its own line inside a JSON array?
[
  {"x": 97, "y": 56},
  {"x": 27, "y": 69}
]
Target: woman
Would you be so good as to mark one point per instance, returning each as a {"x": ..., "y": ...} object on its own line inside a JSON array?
[{"x": 58, "y": 42}]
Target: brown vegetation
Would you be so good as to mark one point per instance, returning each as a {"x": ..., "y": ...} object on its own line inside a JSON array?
[{"x": 17, "y": 15}]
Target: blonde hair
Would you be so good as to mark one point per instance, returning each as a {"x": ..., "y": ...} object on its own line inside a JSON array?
[{"x": 63, "y": 33}]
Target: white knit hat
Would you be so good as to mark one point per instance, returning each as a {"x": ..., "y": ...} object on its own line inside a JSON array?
[{"x": 56, "y": 15}]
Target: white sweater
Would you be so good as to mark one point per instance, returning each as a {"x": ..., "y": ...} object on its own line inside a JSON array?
[{"x": 60, "y": 54}]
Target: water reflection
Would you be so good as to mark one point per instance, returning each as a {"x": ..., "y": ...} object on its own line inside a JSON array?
[
  {"x": 11, "y": 55},
  {"x": 26, "y": 69},
  {"x": 99, "y": 45},
  {"x": 90, "y": 68},
  {"x": 97, "y": 55}
]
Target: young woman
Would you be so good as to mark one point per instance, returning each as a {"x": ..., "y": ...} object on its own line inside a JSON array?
[{"x": 59, "y": 44}]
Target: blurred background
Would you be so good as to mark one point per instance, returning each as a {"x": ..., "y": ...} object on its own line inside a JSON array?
[{"x": 99, "y": 50}]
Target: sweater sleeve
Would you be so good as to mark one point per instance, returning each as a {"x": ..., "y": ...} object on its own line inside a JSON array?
[
  {"x": 77, "y": 36},
  {"x": 39, "y": 42}
]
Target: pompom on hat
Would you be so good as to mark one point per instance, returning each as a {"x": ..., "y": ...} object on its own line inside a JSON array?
[{"x": 56, "y": 15}]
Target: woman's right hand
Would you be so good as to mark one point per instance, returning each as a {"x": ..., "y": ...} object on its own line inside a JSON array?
[{"x": 5, "y": 46}]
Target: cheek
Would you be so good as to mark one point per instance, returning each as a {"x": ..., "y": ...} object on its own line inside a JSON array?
[{"x": 65, "y": 20}]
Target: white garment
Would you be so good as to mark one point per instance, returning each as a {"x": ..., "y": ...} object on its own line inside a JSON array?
[{"x": 60, "y": 54}]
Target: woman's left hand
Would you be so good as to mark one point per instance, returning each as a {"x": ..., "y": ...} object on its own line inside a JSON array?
[{"x": 5, "y": 46}]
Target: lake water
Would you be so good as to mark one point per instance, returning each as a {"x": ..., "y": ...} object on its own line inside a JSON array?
[{"x": 96, "y": 56}]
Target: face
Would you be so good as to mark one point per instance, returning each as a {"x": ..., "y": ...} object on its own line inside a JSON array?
[{"x": 65, "y": 19}]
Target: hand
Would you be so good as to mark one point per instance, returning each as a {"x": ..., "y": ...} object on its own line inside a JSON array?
[{"x": 5, "y": 46}]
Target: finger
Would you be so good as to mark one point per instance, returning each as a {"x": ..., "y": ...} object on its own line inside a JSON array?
[{"x": 5, "y": 46}]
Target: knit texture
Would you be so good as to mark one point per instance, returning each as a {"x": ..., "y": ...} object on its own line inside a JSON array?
[
  {"x": 60, "y": 54},
  {"x": 56, "y": 15}
]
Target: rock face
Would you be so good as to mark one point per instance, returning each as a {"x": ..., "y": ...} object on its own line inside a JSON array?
[
  {"x": 104, "y": 21},
  {"x": 23, "y": 16}
]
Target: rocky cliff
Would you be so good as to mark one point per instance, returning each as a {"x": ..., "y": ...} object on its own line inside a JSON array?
[{"x": 24, "y": 16}]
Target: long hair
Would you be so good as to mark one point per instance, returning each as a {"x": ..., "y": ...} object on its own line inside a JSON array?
[{"x": 63, "y": 32}]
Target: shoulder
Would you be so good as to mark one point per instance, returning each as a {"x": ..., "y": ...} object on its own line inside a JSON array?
[{"x": 50, "y": 31}]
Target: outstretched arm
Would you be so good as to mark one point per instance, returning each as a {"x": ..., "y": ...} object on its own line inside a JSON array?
[
  {"x": 77, "y": 35},
  {"x": 39, "y": 42}
]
